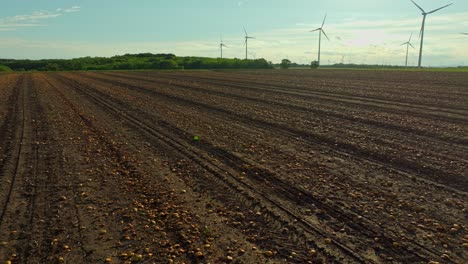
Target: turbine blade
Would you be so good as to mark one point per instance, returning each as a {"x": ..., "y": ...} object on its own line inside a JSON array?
[
  {"x": 464, "y": 33},
  {"x": 420, "y": 8},
  {"x": 411, "y": 45},
  {"x": 245, "y": 31},
  {"x": 323, "y": 23},
  {"x": 325, "y": 34},
  {"x": 435, "y": 10},
  {"x": 315, "y": 29},
  {"x": 404, "y": 44},
  {"x": 410, "y": 37}
]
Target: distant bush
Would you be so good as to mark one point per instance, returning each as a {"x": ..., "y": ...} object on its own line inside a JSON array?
[
  {"x": 4, "y": 68},
  {"x": 285, "y": 63},
  {"x": 52, "y": 67},
  {"x": 314, "y": 65},
  {"x": 168, "y": 64}
]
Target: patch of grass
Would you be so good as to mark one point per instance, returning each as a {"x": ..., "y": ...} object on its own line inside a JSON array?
[{"x": 4, "y": 68}]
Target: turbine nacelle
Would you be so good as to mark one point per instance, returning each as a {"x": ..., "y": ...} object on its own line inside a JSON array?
[
  {"x": 323, "y": 31},
  {"x": 430, "y": 12},
  {"x": 247, "y": 35},
  {"x": 409, "y": 41},
  {"x": 321, "y": 28},
  {"x": 221, "y": 45}
]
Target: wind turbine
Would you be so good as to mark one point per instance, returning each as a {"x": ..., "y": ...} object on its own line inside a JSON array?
[
  {"x": 421, "y": 34},
  {"x": 247, "y": 37},
  {"x": 221, "y": 45},
  {"x": 408, "y": 43},
  {"x": 320, "y": 29}
]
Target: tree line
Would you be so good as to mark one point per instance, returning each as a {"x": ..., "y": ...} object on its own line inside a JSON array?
[{"x": 141, "y": 61}]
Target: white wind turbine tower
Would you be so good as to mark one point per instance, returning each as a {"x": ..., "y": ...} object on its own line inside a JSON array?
[
  {"x": 221, "y": 45},
  {"x": 421, "y": 34},
  {"x": 247, "y": 37},
  {"x": 408, "y": 43},
  {"x": 320, "y": 29}
]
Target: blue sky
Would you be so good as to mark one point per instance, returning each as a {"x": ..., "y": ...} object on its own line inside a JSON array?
[{"x": 360, "y": 31}]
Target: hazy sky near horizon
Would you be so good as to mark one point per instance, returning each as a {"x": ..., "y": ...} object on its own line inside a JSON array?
[{"x": 360, "y": 31}]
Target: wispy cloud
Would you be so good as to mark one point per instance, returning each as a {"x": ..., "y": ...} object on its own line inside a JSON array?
[
  {"x": 35, "y": 19},
  {"x": 241, "y": 3},
  {"x": 72, "y": 9}
]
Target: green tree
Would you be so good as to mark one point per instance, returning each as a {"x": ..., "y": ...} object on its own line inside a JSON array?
[
  {"x": 52, "y": 67},
  {"x": 285, "y": 63},
  {"x": 314, "y": 65},
  {"x": 168, "y": 64}
]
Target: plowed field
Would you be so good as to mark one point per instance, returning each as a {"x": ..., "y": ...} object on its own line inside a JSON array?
[{"x": 290, "y": 166}]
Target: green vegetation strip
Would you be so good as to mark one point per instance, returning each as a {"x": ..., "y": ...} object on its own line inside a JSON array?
[{"x": 143, "y": 61}]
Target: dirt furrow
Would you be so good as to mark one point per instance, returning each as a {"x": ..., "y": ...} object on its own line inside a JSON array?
[
  {"x": 380, "y": 88},
  {"x": 350, "y": 99},
  {"x": 221, "y": 121},
  {"x": 361, "y": 116},
  {"x": 233, "y": 167},
  {"x": 351, "y": 91},
  {"x": 177, "y": 234},
  {"x": 7, "y": 114},
  {"x": 18, "y": 173},
  {"x": 427, "y": 170},
  {"x": 378, "y": 127},
  {"x": 235, "y": 187},
  {"x": 128, "y": 106}
]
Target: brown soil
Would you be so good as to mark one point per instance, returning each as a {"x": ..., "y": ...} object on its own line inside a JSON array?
[{"x": 291, "y": 166}]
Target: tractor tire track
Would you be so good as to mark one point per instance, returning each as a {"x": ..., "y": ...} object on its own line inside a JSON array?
[
  {"x": 277, "y": 184},
  {"x": 461, "y": 142},
  {"x": 437, "y": 177},
  {"x": 18, "y": 200},
  {"x": 459, "y": 113},
  {"x": 329, "y": 87},
  {"x": 233, "y": 189},
  {"x": 14, "y": 160}
]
